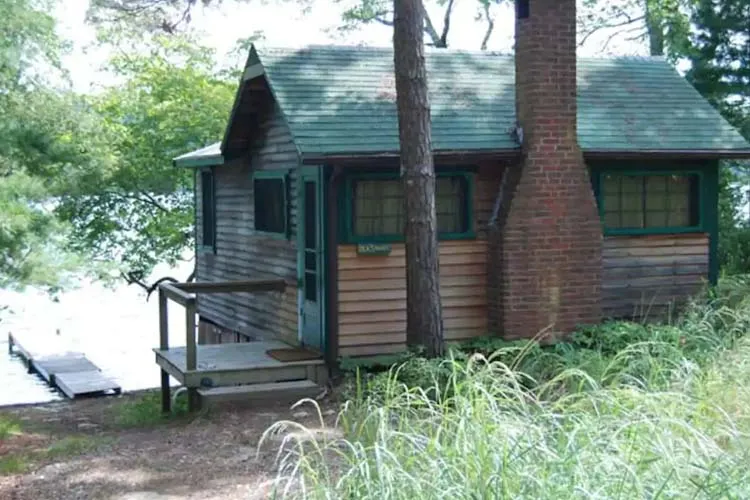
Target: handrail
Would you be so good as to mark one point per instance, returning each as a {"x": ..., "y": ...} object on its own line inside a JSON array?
[
  {"x": 262, "y": 285},
  {"x": 185, "y": 295},
  {"x": 180, "y": 296}
]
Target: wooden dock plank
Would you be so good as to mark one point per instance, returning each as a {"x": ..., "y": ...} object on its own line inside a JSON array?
[
  {"x": 75, "y": 384},
  {"x": 51, "y": 366},
  {"x": 68, "y": 370}
]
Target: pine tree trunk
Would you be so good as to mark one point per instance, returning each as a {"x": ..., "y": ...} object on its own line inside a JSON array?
[{"x": 424, "y": 321}]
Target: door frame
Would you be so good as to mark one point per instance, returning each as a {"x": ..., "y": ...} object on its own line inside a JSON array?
[{"x": 315, "y": 174}]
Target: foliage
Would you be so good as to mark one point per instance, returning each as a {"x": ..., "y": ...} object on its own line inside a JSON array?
[
  {"x": 719, "y": 57},
  {"x": 627, "y": 411},
  {"x": 614, "y": 353},
  {"x": 31, "y": 239},
  {"x": 662, "y": 25},
  {"x": 137, "y": 209}
]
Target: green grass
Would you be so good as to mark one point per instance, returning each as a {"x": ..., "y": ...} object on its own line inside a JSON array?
[
  {"x": 145, "y": 410},
  {"x": 622, "y": 410},
  {"x": 13, "y": 464},
  {"x": 71, "y": 446},
  {"x": 9, "y": 427}
]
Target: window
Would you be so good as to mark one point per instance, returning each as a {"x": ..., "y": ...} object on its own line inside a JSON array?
[
  {"x": 208, "y": 209},
  {"x": 522, "y": 9},
  {"x": 270, "y": 202},
  {"x": 377, "y": 209},
  {"x": 650, "y": 202}
]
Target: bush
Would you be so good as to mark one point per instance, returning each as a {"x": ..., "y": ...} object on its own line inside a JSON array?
[{"x": 620, "y": 410}]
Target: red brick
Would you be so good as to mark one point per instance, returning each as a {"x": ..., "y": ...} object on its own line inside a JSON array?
[{"x": 546, "y": 259}]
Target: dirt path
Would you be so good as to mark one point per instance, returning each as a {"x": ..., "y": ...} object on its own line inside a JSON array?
[{"x": 78, "y": 450}]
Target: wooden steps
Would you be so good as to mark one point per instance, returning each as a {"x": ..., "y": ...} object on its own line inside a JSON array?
[{"x": 277, "y": 391}]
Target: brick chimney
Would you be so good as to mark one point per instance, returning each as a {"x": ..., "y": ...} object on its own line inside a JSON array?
[{"x": 546, "y": 250}]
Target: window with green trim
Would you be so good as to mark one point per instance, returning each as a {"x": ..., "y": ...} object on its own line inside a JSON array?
[
  {"x": 208, "y": 209},
  {"x": 657, "y": 201},
  {"x": 270, "y": 202},
  {"x": 377, "y": 211}
]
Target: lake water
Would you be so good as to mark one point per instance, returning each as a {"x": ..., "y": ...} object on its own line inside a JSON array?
[{"x": 115, "y": 328}]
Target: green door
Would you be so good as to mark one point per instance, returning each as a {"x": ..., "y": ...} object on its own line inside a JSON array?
[{"x": 310, "y": 258}]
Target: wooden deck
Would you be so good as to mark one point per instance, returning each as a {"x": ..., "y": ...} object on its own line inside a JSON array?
[
  {"x": 231, "y": 364},
  {"x": 62, "y": 367}
]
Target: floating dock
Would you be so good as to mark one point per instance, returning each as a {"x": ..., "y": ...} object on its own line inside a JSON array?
[{"x": 67, "y": 370}]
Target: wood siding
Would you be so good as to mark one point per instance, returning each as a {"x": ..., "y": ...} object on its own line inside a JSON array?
[
  {"x": 372, "y": 296},
  {"x": 241, "y": 252},
  {"x": 372, "y": 289},
  {"x": 646, "y": 276}
]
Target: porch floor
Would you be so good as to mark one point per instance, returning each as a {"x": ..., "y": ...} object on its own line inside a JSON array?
[
  {"x": 229, "y": 364},
  {"x": 239, "y": 356}
]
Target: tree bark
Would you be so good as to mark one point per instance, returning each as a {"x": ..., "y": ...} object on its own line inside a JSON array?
[
  {"x": 424, "y": 322},
  {"x": 654, "y": 29}
]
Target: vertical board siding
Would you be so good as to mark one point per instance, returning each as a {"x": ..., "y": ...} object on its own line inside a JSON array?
[
  {"x": 372, "y": 296},
  {"x": 240, "y": 252},
  {"x": 649, "y": 275}
]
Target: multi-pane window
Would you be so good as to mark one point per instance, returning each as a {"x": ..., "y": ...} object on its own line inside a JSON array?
[
  {"x": 378, "y": 209},
  {"x": 658, "y": 201},
  {"x": 208, "y": 209},
  {"x": 270, "y": 204}
]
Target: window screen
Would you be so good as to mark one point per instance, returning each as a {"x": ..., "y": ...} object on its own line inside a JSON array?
[
  {"x": 270, "y": 205},
  {"x": 378, "y": 206},
  {"x": 208, "y": 209},
  {"x": 650, "y": 201}
]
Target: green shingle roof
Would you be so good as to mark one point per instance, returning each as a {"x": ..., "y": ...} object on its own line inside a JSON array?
[{"x": 341, "y": 100}]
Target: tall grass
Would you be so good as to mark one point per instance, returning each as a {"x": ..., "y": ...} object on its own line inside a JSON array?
[{"x": 622, "y": 411}]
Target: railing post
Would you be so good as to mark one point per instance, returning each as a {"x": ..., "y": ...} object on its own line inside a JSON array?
[
  {"x": 166, "y": 396},
  {"x": 190, "y": 352}
]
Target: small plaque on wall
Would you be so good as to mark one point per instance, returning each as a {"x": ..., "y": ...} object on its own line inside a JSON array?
[{"x": 374, "y": 249}]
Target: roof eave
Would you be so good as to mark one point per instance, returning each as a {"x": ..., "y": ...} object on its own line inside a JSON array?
[
  {"x": 196, "y": 162},
  {"x": 708, "y": 154},
  {"x": 390, "y": 156}
]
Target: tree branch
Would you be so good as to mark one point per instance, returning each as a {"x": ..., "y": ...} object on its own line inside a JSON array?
[
  {"x": 446, "y": 25},
  {"x": 382, "y": 20},
  {"x": 134, "y": 279},
  {"x": 628, "y": 21},
  {"x": 430, "y": 29},
  {"x": 490, "y": 26}
]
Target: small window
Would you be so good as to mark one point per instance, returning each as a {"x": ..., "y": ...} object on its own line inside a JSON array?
[
  {"x": 650, "y": 202},
  {"x": 378, "y": 212},
  {"x": 523, "y": 9},
  {"x": 208, "y": 209},
  {"x": 270, "y": 202}
]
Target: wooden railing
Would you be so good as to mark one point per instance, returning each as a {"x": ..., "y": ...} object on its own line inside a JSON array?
[{"x": 185, "y": 294}]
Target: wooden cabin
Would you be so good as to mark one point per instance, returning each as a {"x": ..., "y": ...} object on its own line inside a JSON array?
[{"x": 567, "y": 191}]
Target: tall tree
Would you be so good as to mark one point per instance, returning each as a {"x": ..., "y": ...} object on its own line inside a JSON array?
[
  {"x": 424, "y": 321},
  {"x": 31, "y": 239}
]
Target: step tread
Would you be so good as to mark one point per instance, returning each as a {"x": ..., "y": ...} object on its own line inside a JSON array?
[{"x": 249, "y": 389}]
